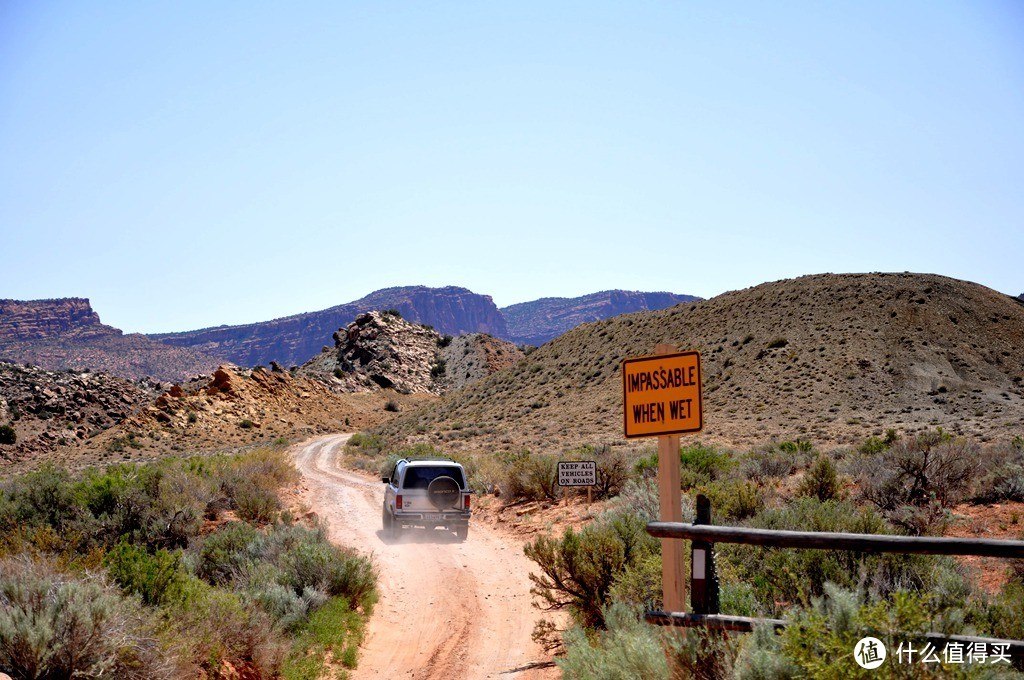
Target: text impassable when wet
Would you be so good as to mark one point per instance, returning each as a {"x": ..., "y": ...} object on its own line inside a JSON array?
[{"x": 661, "y": 395}]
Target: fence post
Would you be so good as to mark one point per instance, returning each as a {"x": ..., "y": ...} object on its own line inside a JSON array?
[{"x": 703, "y": 575}]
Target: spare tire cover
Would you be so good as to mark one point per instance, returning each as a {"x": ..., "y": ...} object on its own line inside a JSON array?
[{"x": 443, "y": 492}]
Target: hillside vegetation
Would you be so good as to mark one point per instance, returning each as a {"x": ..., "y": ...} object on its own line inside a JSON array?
[
  {"x": 184, "y": 568},
  {"x": 831, "y": 358}
]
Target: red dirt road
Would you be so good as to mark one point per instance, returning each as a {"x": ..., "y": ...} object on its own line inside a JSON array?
[{"x": 447, "y": 609}]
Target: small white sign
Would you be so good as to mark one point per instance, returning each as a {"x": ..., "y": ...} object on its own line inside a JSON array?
[{"x": 578, "y": 473}]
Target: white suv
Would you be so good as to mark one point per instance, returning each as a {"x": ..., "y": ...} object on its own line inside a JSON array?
[{"x": 426, "y": 493}]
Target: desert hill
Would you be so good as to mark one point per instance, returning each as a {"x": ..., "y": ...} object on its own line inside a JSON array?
[
  {"x": 540, "y": 321},
  {"x": 292, "y": 340},
  {"x": 381, "y": 350},
  {"x": 67, "y": 334},
  {"x": 831, "y": 358},
  {"x": 473, "y": 357}
]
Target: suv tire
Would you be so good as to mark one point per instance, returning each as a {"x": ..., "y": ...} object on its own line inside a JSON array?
[
  {"x": 443, "y": 492},
  {"x": 462, "y": 532}
]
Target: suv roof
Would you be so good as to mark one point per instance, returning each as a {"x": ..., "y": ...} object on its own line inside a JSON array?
[{"x": 428, "y": 461}]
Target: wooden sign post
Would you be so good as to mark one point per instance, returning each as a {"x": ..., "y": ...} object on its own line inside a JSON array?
[
  {"x": 578, "y": 473},
  {"x": 662, "y": 398}
]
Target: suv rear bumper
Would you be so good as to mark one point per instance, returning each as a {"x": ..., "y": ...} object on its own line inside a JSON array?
[{"x": 432, "y": 519}]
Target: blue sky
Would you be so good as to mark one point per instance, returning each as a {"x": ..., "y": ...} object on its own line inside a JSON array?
[{"x": 191, "y": 164}]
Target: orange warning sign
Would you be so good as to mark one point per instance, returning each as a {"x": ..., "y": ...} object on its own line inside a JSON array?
[{"x": 661, "y": 395}]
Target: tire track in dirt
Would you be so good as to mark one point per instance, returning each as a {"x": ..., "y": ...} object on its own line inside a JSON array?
[{"x": 447, "y": 609}]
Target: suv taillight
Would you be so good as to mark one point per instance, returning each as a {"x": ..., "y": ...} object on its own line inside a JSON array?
[
  {"x": 398, "y": 502},
  {"x": 466, "y": 506}
]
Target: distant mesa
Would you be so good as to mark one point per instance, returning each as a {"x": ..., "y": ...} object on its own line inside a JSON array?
[
  {"x": 67, "y": 334},
  {"x": 540, "y": 321},
  {"x": 455, "y": 311},
  {"x": 293, "y": 340},
  {"x": 64, "y": 318}
]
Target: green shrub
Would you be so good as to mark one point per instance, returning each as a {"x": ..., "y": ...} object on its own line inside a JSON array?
[
  {"x": 104, "y": 491},
  {"x": 579, "y": 570},
  {"x": 157, "y": 578},
  {"x": 821, "y": 639},
  {"x": 175, "y": 504},
  {"x": 332, "y": 570},
  {"x": 391, "y": 406},
  {"x": 57, "y": 626},
  {"x": 47, "y": 498},
  {"x": 287, "y": 609},
  {"x": 366, "y": 443},
  {"x": 332, "y": 634},
  {"x": 1000, "y": 615},
  {"x": 529, "y": 476},
  {"x": 640, "y": 497},
  {"x": 699, "y": 465},
  {"x": 216, "y": 625},
  {"x": 629, "y": 648},
  {"x": 798, "y": 446},
  {"x": 256, "y": 501},
  {"x": 8, "y": 435},
  {"x": 246, "y": 424},
  {"x": 702, "y": 654},
  {"x": 771, "y": 462},
  {"x": 821, "y": 481},
  {"x": 780, "y": 576},
  {"x": 873, "y": 445},
  {"x": 250, "y": 481},
  {"x": 734, "y": 499},
  {"x": 1001, "y": 475},
  {"x": 915, "y": 479},
  {"x": 226, "y": 553}
]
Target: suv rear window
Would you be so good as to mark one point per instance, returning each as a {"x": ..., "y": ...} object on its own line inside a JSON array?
[{"x": 420, "y": 477}]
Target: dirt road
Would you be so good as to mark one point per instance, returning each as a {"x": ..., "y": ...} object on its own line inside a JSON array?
[{"x": 447, "y": 609}]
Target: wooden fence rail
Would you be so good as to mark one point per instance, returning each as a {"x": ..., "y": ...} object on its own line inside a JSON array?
[
  {"x": 704, "y": 580},
  {"x": 771, "y": 538}
]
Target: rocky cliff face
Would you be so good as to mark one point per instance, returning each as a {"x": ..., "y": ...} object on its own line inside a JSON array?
[
  {"x": 49, "y": 319},
  {"x": 67, "y": 334},
  {"x": 380, "y": 351},
  {"x": 384, "y": 351},
  {"x": 48, "y": 409},
  {"x": 294, "y": 339},
  {"x": 539, "y": 321}
]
